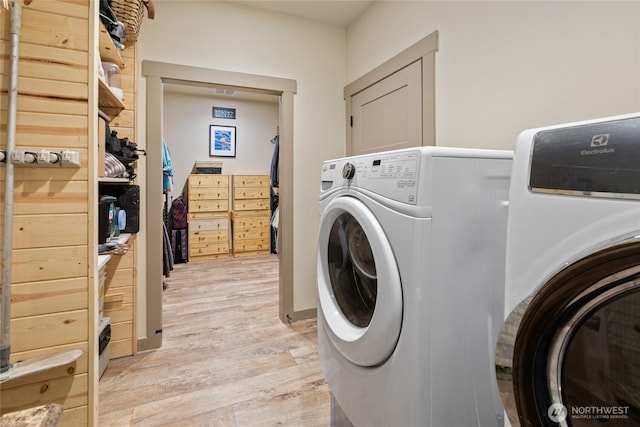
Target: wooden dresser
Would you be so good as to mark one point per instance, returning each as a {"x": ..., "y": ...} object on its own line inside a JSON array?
[
  {"x": 251, "y": 215},
  {"x": 119, "y": 300},
  {"x": 208, "y": 205}
]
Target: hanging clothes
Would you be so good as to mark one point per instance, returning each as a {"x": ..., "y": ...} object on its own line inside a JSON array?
[
  {"x": 275, "y": 226},
  {"x": 167, "y": 253},
  {"x": 274, "y": 161},
  {"x": 167, "y": 169}
]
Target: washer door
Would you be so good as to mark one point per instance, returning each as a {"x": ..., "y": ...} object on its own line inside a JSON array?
[{"x": 358, "y": 283}]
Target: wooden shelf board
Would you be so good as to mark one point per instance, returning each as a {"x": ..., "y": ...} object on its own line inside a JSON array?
[
  {"x": 108, "y": 51},
  {"x": 108, "y": 102},
  {"x": 111, "y": 180}
]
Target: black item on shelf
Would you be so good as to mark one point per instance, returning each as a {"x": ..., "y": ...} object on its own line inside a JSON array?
[
  {"x": 108, "y": 17},
  {"x": 214, "y": 168},
  {"x": 124, "y": 150},
  {"x": 127, "y": 199},
  {"x": 105, "y": 209},
  {"x": 104, "y": 338}
]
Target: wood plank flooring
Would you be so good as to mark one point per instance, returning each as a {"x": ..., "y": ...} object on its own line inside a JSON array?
[{"x": 226, "y": 359}]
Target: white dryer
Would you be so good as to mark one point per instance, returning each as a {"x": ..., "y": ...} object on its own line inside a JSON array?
[
  {"x": 410, "y": 285},
  {"x": 569, "y": 351}
]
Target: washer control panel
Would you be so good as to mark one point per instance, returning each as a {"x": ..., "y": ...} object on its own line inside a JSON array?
[{"x": 392, "y": 175}]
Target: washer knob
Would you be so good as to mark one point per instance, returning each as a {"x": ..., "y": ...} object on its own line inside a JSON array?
[{"x": 348, "y": 171}]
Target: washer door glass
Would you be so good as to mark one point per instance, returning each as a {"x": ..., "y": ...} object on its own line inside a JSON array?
[
  {"x": 358, "y": 283},
  {"x": 352, "y": 270}
]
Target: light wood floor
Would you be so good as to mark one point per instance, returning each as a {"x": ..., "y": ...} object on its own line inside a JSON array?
[{"x": 226, "y": 359}]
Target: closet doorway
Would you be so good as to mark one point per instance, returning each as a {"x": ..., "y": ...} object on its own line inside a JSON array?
[{"x": 159, "y": 73}]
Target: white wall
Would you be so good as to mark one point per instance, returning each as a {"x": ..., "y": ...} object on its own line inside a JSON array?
[
  {"x": 503, "y": 67},
  {"x": 186, "y": 130},
  {"x": 231, "y": 37}
]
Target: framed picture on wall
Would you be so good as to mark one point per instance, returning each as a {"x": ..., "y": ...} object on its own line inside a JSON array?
[{"x": 222, "y": 141}]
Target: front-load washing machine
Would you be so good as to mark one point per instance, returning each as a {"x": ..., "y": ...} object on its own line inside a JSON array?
[
  {"x": 569, "y": 350},
  {"x": 410, "y": 285}
]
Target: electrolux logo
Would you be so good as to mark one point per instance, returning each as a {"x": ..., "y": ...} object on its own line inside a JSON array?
[
  {"x": 598, "y": 145},
  {"x": 600, "y": 140}
]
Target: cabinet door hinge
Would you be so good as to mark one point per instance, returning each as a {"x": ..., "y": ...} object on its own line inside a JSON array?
[{"x": 351, "y": 121}]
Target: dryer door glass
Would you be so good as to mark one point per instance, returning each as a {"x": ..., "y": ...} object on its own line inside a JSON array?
[
  {"x": 601, "y": 369},
  {"x": 352, "y": 270}
]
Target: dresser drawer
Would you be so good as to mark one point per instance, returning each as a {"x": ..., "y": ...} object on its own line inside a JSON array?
[
  {"x": 119, "y": 312},
  {"x": 199, "y": 181},
  {"x": 207, "y": 222},
  {"x": 251, "y": 181},
  {"x": 204, "y": 249},
  {"x": 208, "y": 205},
  {"x": 209, "y": 236},
  {"x": 251, "y": 193},
  {"x": 251, "y": 245},
  {"x": 240, "y": 222},
  {"x": 209, "y": 193},
  {"x": 251, "y": 204},
  {"x": 251, "y": 233}
]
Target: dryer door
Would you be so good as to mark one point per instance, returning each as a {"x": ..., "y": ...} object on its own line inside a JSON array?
[
  {"x": 575, "y": 345},
  {"x": 358, "y": 283}
]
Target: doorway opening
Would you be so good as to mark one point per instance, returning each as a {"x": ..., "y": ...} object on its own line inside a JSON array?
[{"x": 157, "y": 74}]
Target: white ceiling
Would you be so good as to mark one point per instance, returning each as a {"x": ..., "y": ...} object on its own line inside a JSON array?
[{"x": 336, "y": 12}]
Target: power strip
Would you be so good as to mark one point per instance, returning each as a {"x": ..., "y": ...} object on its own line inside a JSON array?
[{"x": 45, "y": 158}]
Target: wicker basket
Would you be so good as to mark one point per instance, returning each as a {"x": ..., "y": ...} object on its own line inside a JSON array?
[{"x": 130, "y": 13}]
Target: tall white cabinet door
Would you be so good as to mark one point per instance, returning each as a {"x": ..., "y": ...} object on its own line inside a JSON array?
[{"x": 388, "y": 114}]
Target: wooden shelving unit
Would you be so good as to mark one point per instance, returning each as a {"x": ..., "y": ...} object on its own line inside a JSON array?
[{"x": 118, "y": 272}]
